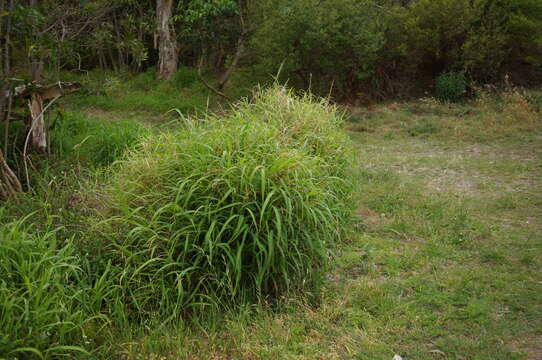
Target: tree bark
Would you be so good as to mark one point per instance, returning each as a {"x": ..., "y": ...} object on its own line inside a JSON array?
[
  {"x": 9, "y": 183},
  {"x": 36, "y": 124},
  {"x": 165, "y": 40}
]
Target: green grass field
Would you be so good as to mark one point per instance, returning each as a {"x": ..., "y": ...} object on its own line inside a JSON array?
[{"x": 443, "y": 261}]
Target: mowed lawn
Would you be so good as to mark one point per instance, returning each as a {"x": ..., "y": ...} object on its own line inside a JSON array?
[{"x": 444, "y": 261}]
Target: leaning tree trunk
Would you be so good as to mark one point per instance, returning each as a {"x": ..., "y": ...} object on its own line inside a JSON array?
[
  {"x": 165, "y": 40},
  {"x": 238, "y": 54}
]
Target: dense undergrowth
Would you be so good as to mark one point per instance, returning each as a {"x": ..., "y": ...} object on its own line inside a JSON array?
[{"x": 223, "y": 212}]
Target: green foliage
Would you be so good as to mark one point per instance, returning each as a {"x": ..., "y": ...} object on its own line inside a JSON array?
[
  {"x": 209, "y": 26},
  {"x": 223, "y": 212},
  {"x": 144, "y": 81},
  {"x": 535, "y": 100},
  {"x": 186, "y": 77},
  {"x": 374, "y": 46},
  {"x": 234, "y": 210},
  {"x": 319, "y": 43},
  {"x": 451, "y": 86},
  {"x": 479, "y": 36}
]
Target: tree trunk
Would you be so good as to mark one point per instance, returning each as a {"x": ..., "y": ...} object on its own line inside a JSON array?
[
  {"x": 9, "y": 183},
  {"x": 165, "y": 40},
  {"x": 36, "y": 125}
]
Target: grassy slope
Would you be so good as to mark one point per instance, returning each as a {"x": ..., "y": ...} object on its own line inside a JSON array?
[{"x": 445, "y": 264}]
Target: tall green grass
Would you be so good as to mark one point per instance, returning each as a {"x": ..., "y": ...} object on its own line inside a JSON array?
[
  {"x": 242, "y": 209},
  {"x": 41, "y": 315}
]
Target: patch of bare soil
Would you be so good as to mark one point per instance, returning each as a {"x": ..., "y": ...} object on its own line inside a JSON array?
[
  {"x": 533, "y": 351},
  {"x": 454, "y": 175}
]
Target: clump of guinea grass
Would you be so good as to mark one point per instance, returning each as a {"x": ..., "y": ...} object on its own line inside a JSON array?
[
  {"x": 45, "y": 299},
  {"x": 242, "y": 209}
]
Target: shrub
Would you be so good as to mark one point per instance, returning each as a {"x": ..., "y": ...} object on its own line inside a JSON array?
[
  {"x": 534, "y": 98},
  {"x": 507, "y": 112},
  {"x": 241, "y": 209},
  {"x": 451, "y": 86}
]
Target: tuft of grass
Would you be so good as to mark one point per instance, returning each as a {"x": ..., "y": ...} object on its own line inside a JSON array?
[{"x": 229, "y": 211}]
